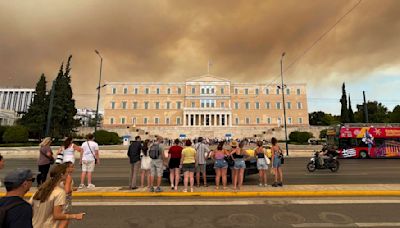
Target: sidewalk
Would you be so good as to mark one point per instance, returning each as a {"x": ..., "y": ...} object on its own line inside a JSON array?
[{"x": 246, "y": 191}]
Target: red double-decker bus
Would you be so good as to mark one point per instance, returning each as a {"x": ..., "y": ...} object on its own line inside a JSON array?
[{"x": 366, "y": 141}]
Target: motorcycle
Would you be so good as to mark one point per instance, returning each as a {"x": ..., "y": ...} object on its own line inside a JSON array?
[{"x": 330, "y": 162}]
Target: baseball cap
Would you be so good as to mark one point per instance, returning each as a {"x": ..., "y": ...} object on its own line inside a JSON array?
[{"x": 16, "y": 177}]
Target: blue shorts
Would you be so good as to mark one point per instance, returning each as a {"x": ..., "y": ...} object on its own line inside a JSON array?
[
  {"x": 239, "y": 163},
  {"x": 220, "y": 164},
  {"x": 261, "y": 164},
  {"x": 277, "y": 162}
]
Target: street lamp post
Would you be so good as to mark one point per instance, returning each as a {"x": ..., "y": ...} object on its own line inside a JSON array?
[
  {"x": 284, "y": 106},
  {"x": 98, "y": 91}
]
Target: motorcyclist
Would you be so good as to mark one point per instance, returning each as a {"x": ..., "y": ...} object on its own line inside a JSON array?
[{"x": 322, "y": 155}]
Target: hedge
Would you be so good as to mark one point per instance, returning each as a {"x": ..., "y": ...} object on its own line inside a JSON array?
[
  {"x": 300, "y": 136},
  {"x": 16, "y": 134},
  {"x": 103, "y": 137}
]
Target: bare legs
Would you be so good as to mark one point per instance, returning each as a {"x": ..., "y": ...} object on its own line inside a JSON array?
[
  {"x": 262, "y": 176},
  {"x": 220, "y": 173},
  {"x": 144, "y": 173},
  {"x": 174, "y": 175},
  {"x": 186, "y": 176}
]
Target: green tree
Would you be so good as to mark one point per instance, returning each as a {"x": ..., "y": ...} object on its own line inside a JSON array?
[
  {"x": 377, "y": 113},
  {"x": 62, "y": 121},
  {"x": 323, "y": 133},
  {"x": 35, "y": 118},
  {"x": 16, "y": 134},
  {"x": 321, "y": 119},
  {"x": 344, "y": 114},
  {"x": 394, "y": 116},
  {"x": 351, "y": 113}
]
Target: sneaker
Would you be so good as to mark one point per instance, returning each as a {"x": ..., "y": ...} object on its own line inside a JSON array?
[
  {"x": 158, "y": 189},
  {"x": 275, "y": 184},
  {"x": 172, "y": 187},
  {"x": 260, "y": 185},
  {"x": 91, "y": 186},
  {"x": 151, "y": 189},
  {"x": 280, "y": 184},
  {"x": 184, "y": 190},
  {"x": 81, "y": 186},
  {"x": 191, "y": 189}
]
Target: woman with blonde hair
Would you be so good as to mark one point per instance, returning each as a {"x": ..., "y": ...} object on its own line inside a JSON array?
[
  {"x": 48, "y": 202},
  {"x": 238, "y": 155},
  {"x": 45, "y": 160}
]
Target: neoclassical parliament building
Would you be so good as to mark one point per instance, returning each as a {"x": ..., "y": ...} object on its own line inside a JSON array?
[{"x": 204, "y": 106}]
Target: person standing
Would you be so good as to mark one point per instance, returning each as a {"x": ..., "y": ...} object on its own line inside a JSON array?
[
  {"x": 276, "y": 162},
  {"x": 134, "y": 158},
  {"x": 48, "y": 202},
  {"x": 89, "y": 158},
  {"x": 201, "y": 153},
  {"x": 68, "y": 150},
  {"x": 145, "y": 162},
  {"x": 18, "y": 211},
  {"x": 156, "y": 153},
  {"x": 45, "y": 160},
  {"x": 262, "y": 166},
  {"x": 220, "y": 164},
  {"x": 238, "y": 155},
  {"x": 188, "y": 162},
  {"x": 174, "y": 160},
  {"x": 1, "y": 162},
  {"x": 68, "y": 185}
]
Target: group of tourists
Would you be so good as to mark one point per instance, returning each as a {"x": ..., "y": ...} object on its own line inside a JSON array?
[{"x": 147, "y": 159}]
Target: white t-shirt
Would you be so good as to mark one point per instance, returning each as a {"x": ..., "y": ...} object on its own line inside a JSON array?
[
  {"x": 43, "y": 212},
  {"x": 87, "y": 154}
]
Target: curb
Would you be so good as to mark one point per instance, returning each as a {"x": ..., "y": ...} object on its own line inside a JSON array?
[{"x": 330, "y": 193}]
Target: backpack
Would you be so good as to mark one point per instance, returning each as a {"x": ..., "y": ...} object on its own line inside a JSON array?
[
  {"x": 154, "y": 151},
  {"x": 4, "y": 209}
]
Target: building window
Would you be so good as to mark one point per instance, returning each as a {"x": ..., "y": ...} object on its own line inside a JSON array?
[
  {"x": 237, "y": 121},
  {"x": 267, "y": 105},
  {"x": 146, "y": 105},
  {"x": 277, "y": 91},
  {"x": 124, "y": 105},
  {"x": 114, "y": 90},
  {"x": 258, "y": 120},
  {"x": 289, "y": 120},
  {"x": 257, "y": 91},
  {"x": 279, "y": 121},
  {"x": 257, "y": 105},
  {"x": 202, "y": 91},
  {"x": 222, "y": 104},
  {"x": 246, "y": 91},
  {"x": 158, "y": 90},
  {"x": 167, "y": 121},
  {"x": 178, "y": 120},
  {"x": 288, "y": 105},
  {"x": 193, "y": 104},
  {"x": 247, "y": 120},
  {"x": 236, "y": 105},
  {"x": 300, "y": 120},
  {"x": 147, "y": 91},
  {"x": 112, "y": 105},
  {"x": 178, "y": 105},
  {"x": 299, "y": 105},
  {"x": 135, "y": 105},
  {"x": 111, "y": 120},
  {"x": 212, "y": 104},
  {"x": 236, "y": 91},
  {"x": 222, "y": 91},
  {"x": 156, "y": 120},
  {"x": 267, "y": 91},
  {"x": 167, "y": 105},
  {"x": 123, "y": 120},
  {"x": 125, "y": 90},
  {"x": 287, "y": 91},
  {"x": 136, "y": 90},
  {"x": 193, "y": 90},
  {"x": 202, "y": 104},
  {"x": 278, "y": 105},
  {"x": 133, "y": 120},
  {"x": 169, "y": 90},
  {"x": 298, "y": 91},
  {"x": 247, "y": 105},
  {"x": 179, "y": 90},
  {"x": 145, "y": 120},
  {"x": 157, "y": 105},
  {"x": 269, "y": 120}
]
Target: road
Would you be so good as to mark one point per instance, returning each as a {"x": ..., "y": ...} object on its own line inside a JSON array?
[
  {"x": 253, "y": 213},
  {"x": 115, "y": 172}
]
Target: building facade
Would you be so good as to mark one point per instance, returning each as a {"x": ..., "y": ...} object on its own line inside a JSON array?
[
  {"x": 206, "y": 102},
  {"x": 16, "y": 99}
]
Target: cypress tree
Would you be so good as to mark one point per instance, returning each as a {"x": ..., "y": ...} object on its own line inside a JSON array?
[
  {"x": 351, "y": 113},
  {"x": 35, "y": 118},
  {"x": 344, "y": 114}
]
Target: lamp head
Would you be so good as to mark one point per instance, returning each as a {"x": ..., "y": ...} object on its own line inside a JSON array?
[
  {"x": 97, "y": 52},
  {"x": 283, "y": 54}
]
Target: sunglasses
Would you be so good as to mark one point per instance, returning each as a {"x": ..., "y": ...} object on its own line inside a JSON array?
[{"x": 31, "y": 179}]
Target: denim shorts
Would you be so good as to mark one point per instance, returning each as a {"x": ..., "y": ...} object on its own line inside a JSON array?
[
  {"x": 188, "y": 167},
  {"x": 220, "y": 164},
  {"x": 261, "y": 164},
  {"x": 277, "y": 162},
  {"x": 239, "y": 163}
]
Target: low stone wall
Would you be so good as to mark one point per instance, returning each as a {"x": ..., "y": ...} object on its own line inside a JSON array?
[{"x": 259, "y": 132}]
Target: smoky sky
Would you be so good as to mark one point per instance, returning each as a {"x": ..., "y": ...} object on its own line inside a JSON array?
[{"x": 171, "y": 41}]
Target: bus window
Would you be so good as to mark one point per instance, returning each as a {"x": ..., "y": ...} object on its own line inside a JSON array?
[
  {"x": 346, "y": 143},
  {"x": 378, "y": 142},
  {"x": 360, "y": 143}
]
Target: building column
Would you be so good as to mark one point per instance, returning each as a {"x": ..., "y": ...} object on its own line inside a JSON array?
[
  {"x": 215, "y": 119},
  {"x": 230, "y": 120},
  {"x": 204, "y": 119},
  {"x": 184, "y": 119},
  {"x": 226, "y": 119}
]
